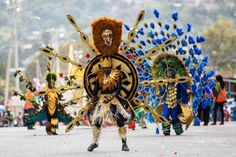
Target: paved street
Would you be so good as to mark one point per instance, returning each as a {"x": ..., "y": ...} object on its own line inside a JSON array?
[{"x": 211, "y": 141}]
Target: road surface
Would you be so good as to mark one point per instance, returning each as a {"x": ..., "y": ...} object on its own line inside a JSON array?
[{"x": 203, "y": 141}]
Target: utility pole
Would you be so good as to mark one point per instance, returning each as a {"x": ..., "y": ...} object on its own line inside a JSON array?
[
  {"x": 6, "y": 95},
  {"x": 13, "y": 49},
  {"x": 15, "y": 44}
]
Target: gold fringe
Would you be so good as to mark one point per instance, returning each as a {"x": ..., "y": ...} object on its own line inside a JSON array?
[
  {"x": 187, "y": 114},
  {"x": 48, "y": 126},
  {"x": 122, "y": 132},
  {"x": 54, "y": 121},
  {"x": 160, "y": 108},
  {"x": 182, "y": 118},
  {"x": 96, "y": 134},
  {"x": 53, "y": 130},
  {"x": 112, "y": 79}
]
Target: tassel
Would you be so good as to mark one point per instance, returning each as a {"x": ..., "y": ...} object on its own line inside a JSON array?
[
  {"x": 189, "y": 27},
  {"x": 156, "y": 34},
  {"x": 168, "y": 35},
  {"x": 191, "y": 40},
  {"x": 149, "y": 42},
  {"x": 142, "y": 43},
  {"x": 180, "y": 31},
  {"x": 175, "y": 26},
  {"x": 145, "y": 25},
  {"x": 126, "y": 27},
  {"x": 167, "y": 27},
  {"x": 152, "y": 25},
  {"x": 156, "y": 13},
  {"x": 54, "y": 122},
  {"x": 174, "y": 16}
]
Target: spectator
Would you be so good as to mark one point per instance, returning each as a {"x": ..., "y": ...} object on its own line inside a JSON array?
[
  {"x": 141, "y": 118},
  {"x": 9, "y": 118},
  {"x": 219, "y": 98},
  {"x": 29, "y": 108},
  {"x": 19, "y": 119},
  {"x": 132, "y": 125},
  {"x": 1, "y": 119},
  {"x": 205, "y": 108}
]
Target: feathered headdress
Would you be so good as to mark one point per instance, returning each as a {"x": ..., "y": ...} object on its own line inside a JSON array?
[
  {"x": 51, "y": 76},
  {"x": 167, "y": 61}
]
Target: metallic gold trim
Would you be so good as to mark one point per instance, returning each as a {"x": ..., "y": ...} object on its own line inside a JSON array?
[{"x": 122, "y": 132}]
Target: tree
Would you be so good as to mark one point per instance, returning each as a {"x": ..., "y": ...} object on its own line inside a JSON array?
[{"x": 221, "y": 46}]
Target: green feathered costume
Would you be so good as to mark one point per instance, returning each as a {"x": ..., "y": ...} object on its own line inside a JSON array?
[{"x": 52, "y": 111}]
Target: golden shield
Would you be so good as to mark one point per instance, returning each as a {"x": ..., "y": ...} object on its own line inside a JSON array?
[{"x": 129, "y": 82}]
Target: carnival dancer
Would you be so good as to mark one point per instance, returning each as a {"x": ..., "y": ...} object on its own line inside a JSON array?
[
  {"x": 110, "y": 79},
  {"x": 51, "y": 100},
  {"x": 52, "y": 110},
  {"x": 166, "y": 55},
  {"x": 108, "y": 84},
  {"x": 175, "y": 94}
]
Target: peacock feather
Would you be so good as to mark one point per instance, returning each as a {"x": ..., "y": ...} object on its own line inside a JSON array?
[
  {"x": 185, "y": 56},
  {"x": 165, "y": 61}
]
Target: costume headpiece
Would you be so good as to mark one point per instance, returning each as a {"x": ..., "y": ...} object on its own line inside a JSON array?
[
  {"x": 167, "y": 64},
  {"x": 107, "y": 24},
  {"x": 106, "y": 62},
  {"x": 50, "y": 77}
]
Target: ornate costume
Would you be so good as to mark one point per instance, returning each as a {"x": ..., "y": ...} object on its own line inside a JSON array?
[
  {"x": 110, "y": 79},
  {"x": 174, "y": 50},
  {"x": 171, "y": 75},
  {"x": 51, "y": 100},
  {"x": 52, "y": 110}
]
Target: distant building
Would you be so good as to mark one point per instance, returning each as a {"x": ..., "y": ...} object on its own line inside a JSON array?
[
  {"x": 16, "y": 105},
  {"x": 231, "y": 86}
]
